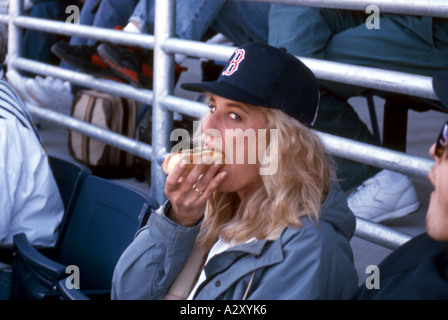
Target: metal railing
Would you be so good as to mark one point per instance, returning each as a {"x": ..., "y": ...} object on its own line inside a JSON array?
[{"x": 164, "y": 102}]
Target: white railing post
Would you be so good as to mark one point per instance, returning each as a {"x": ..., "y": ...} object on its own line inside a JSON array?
[
  {"x": 162, "y": 122},
  {"x": 14, "y": 32}
]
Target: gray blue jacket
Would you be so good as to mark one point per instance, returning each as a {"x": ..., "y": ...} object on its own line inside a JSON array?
[{"x": 311, "y": 262}]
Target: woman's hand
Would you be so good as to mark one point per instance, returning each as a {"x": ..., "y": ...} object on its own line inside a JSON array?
[{"x": 188, "y": 195}]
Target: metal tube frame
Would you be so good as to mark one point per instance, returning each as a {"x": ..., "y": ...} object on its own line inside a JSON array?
[
  {"x": 162, "y": 124},
  {"x": 165, "y": 103},
  {"x": 436, "y": 8}
]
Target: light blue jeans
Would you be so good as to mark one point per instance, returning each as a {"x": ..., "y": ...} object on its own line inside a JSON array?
[
  {"x": 240, "y": 22},
  {"x": 104, "y": 14}
]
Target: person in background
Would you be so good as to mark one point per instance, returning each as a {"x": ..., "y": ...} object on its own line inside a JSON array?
[
  {"x": 29, "y": 198},
  {"x": 419, "y": 268}
]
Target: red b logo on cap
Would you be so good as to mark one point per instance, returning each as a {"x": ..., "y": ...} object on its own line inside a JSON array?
[{"x": 233, "y": 65}]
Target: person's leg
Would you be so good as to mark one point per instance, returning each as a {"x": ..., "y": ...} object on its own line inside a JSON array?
[
  {"x": 193, "y": 17},
  {"x": 113, "y": 13},
  {"x": 104, "y": 14},
  {"x": 402, "y": 43},
  {"x": 37, "y": 44},
  {"x": 306, "y": 31},
  {"x": 86, "y": 16},
  {"x": 144, "y": 16},
  {"x": 243, "y": 22}
]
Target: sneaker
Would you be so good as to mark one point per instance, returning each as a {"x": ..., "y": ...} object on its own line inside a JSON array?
[
  {"x": 132, "y": 65},
  {"x": 51, "y": 93},
  {"x": 84, "y": 58},
  {"x": 387, "y": 195},
  {"x": 135, "y": 65}
]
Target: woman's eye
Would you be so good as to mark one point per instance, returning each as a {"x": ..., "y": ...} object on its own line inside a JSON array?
[{"x": 234, "y": 116}]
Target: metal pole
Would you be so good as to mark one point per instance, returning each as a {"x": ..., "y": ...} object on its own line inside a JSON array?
[
  {"x": 376, "y": 156},
  {"x": 15, "y": 33},
  {"x": 369, "y": 77},
  {"x": 379, "y": 234},
  {"x": 84, "y": 80},
  {"x": 133, "y": 146},
  {"x": 198, "y": 49},
  {"x": 4, "y": 18},
  {"x": 375, "y": 78},
  {"x": 101, "y": 34},
  {"x": 162, "y": 122},
  {"x": 433, "y": 8},
  {"x": 191, "y": 108}
]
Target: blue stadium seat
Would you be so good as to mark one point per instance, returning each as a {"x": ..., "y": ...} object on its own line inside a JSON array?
[
  {"x": 70, "y": 293},
  {"x": 69, "y": 176},
  {"x": 104, "y": 221}
]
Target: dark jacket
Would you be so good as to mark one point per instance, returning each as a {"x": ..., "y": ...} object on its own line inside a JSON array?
[{"x": 417, "y": 270}]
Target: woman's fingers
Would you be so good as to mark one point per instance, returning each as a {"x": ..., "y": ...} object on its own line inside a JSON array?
[
  {"x": 189, "y": 194},
  {"x": 203, "y": 180},
  {"x": 177, "y": 173},
  {"x": 213, "y": 185}
]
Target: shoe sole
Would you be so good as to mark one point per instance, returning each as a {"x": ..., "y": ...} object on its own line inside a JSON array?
[
  {"x": 114, "y": 63},
  {"x": 137, "y": 79},
  {"x": 398, "y": 213},
  {"x": 83, "y": 64}
]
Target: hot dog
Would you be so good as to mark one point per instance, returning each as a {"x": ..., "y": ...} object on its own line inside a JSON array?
[{"x": 193, "y": 157}]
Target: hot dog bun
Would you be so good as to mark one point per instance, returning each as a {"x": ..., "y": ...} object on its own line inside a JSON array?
[{"x": 193, "y": 157}]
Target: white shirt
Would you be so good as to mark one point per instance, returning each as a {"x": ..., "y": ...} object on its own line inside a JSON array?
[{"x": 29, "y": 197}]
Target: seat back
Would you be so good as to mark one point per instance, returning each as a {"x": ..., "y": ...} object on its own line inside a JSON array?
[
  {"x": 103, "y": 223},
  {"x": 69, "y": 176}
]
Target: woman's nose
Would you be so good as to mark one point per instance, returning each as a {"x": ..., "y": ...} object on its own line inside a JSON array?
[{"x": 211, "y": 123}]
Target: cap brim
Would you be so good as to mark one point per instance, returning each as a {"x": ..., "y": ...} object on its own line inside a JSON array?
[
  {"x": 227, "y": 91},
  {"x": 440, "y": 85}
]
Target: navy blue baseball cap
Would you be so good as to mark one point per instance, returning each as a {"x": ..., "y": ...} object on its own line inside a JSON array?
[{"x": 262, "y": 75}]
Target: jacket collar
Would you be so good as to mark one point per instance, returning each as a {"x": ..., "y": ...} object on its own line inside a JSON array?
[{"x": 253, "y": 251}]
